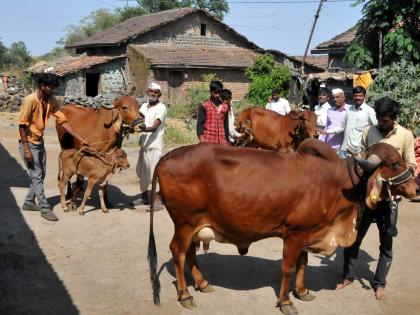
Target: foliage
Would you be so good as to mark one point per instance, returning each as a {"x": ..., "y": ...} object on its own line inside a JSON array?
[
  {"x": 400, "y": 81},
  {"x": 56, "y": 52},
  {"x": 216, "y": 7},
  {"x": 15, "y": 57},
  {"x": 187, "y": 106},
  {"x": 400, "y": 27},
  {"x": 265, "y": 75},
  {"x": 175, "y": 136}
]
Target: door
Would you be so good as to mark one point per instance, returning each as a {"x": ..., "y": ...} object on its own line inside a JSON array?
[
  {"x": 92, "y": 84},
  {"x": 174, "y": 82}
]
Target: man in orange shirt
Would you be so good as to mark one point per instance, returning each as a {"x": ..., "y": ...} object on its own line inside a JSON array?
[{"x": 35, "y": 110}]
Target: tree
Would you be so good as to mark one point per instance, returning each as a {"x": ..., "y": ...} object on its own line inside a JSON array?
[
  {"x": 18, "y": 56},
  {"x": 399, "y": 25},
  {"x": 265, "y": 75},
  {"x": 3, "y": 55}
]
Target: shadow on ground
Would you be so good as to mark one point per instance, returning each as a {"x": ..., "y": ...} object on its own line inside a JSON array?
[
  {"x": 28, "y": 283},
  {"x": 249, "y": 273}
]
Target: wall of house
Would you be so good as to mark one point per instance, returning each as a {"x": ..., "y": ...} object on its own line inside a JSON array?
[
  {"x": 233, "y": 79},
  {"x": 187, "y": 31}
]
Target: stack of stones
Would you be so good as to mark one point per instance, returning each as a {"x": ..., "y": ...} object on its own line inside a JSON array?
[
  {"x": 11, "y": 99},
  {"x": 94, "y": 102}
]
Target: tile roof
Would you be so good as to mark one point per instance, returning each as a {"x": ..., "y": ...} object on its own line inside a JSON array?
[
  {"x": 70, "y": 64},
  {"x": 316, "y": 61},
  {"x": 196, "y": 56},
  {"x": 133, "y": 27},
  {"x": 340, "y": 41}
]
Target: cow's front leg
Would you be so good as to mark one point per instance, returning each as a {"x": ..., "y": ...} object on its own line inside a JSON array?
[
  {"x": 62, "y": 186},
  {"x": 101, "y": 199},
  {"x": 291, "y": 251},
  {"x": 179, "y": 246},
  {"x": 301, "y": 292},
  {"x": 200, "y": 283},
  {"x": 88, "y": 191}
]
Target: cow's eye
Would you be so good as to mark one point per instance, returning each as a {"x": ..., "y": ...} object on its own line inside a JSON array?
[
  {"x": 395, "y": 165},
  {"x": 125, "y": 107}
]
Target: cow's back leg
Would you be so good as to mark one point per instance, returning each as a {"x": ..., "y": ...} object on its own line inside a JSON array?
[
  {"x": 108, "y": 204},
  {"x": 88, "y": 191},
  {"x": 200, "y": 283},
  {"x": 291, "y": 252},
  {"x": 301, "y": 292},
  {"x": 101, "y": 198},
  {"x": 63, "y": 180},
  {"x": 180, "y": 244}
]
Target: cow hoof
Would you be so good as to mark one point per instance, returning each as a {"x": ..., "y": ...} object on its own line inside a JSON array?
[
  {"x": 243, "y": 250},
  {"x": 81, "y": 213},
  {"x": 307, "y": 296},
  {"x": 188, "y": 302},
  {"x": 288, "y": 309},
  {"x": 207, "y": 289},
  {"x": 105, "y": 211},
  {"x": 66, "y": 209}
]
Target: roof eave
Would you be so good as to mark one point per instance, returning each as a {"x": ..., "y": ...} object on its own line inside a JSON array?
[{"x": 338, "y": 50}]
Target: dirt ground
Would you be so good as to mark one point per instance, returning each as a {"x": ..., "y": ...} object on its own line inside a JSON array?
[{"x": 97, "y": 264}]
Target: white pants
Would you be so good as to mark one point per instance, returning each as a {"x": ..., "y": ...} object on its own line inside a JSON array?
[{"x": 146, "y": 164}]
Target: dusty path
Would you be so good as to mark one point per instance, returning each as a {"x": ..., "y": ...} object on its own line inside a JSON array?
[{"x": 97, "y": 264}]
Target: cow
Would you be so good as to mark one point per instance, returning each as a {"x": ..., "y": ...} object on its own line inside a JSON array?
[
  {"x": 97, "y": 167},
  {"x": 103, "y": 129},
  {"x": 310, "y": 198},
  {"x": 269, "y": 130}
]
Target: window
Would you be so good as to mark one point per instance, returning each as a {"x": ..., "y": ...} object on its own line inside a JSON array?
[{"x": 203, "y": 30}]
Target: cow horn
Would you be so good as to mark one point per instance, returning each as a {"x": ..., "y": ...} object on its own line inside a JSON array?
[
  {"x": 370, "y": 164},
  {"x": 108, "y": 106}
]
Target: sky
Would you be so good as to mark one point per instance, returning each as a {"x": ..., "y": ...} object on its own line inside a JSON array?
[{"x": 268, "y": 23}]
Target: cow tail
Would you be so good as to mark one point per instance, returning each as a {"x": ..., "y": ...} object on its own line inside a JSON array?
[
  {"x": 60, "y": 167},
  {"x": 151, "y": 252}
]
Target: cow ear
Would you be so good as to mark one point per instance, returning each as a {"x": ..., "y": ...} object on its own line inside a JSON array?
[{"x": 373, "y": 191}]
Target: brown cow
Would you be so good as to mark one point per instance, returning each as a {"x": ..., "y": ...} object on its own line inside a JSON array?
[
  {"x": 101, "y": 128},
  {"x": 310, "y": 198},
  {"x": 269, "y": 130},
  {"x": 97, "y": 167}
]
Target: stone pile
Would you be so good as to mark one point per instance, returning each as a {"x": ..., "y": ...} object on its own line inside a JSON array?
[
  {"x": 94, "y": 102},
  {"x": 11, "y": 98}
]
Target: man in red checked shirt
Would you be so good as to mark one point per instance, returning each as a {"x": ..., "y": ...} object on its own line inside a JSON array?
[{"x": 212, "y": 121}]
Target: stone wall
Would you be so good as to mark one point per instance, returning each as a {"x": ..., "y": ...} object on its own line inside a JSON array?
[{"x": 11, "y": 98}]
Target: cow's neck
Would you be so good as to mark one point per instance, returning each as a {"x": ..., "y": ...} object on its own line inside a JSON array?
[
  {"x": 112, "y": 118},
  {"x": 354, "y": 178}
]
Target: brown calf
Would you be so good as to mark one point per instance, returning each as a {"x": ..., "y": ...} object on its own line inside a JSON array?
[{"x": 97, "y": 167}]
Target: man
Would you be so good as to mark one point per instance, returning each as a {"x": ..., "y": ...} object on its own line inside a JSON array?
[
  {"x": 388, "y": 131},
  {"x": 226, "y": 97},
  {"x": 278, "y": 104},
  {"x": 359, "y": 116},
  {"x": 151, "y": 143},
  {"x": 212, "y": 120},
  {"x": 35, "y": 110},
  {"x": 321, "y": 110},
  {"x": 335, "y": 117}
]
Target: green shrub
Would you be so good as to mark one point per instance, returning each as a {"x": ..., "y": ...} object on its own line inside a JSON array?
[
  {"x": 174, "y": 137},
  {"x": 400, "y": 81},
  {"x": 265, "y": 75}
]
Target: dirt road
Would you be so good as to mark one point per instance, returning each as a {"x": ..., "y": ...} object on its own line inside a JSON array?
[{"x": 97, "y": 264}]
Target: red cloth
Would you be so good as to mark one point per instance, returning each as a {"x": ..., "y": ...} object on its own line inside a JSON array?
[
  {"x": 214, "y": 130},
  {"x": 417, "y": 154}
]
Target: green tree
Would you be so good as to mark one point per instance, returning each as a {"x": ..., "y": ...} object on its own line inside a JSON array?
[
  {"x": 400, "y": 81},
  {"x": 399, "y": 25},
  {"x": 18, "y": 56},
  {"x": 265, "y": 75},
  {"x": 3, "y": 55}
]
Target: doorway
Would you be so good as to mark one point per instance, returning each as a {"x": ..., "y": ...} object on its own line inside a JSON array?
[
  {"x": 174, "y": 82},
  {"x": 92, "y": 84}
]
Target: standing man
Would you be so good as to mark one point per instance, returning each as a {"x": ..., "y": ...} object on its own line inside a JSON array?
[
  {"x": 335, "y": 117},
  {"x": 212, "y": 120},
  {"x": 388, "y": 131},
  {"x": 321, "y": 110},
  {"x": 226, "y": 97},
  {"x": 35, "y": 110},
  {"x": 151, "y": 143},
  {"x": 359, "y": 116},
  {"x": 278, "y": 104}
]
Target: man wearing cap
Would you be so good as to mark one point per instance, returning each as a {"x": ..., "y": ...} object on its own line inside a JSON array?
[
  {"x": 151, "y": 142},
  {"x": 359, "y": 116},
  {"x": 335, "y": 117}
]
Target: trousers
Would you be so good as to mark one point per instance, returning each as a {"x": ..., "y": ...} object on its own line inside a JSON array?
[{"x": 146, "y": 164}]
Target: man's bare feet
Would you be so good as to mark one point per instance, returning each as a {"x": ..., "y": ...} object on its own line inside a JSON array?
[
  {"x": 380, "y": 293},
  {"x": 343, "y": 284}
]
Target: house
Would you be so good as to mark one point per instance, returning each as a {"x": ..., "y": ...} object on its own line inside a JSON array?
[
  {"x": 175, "y": 48},
  {"x": 336, "y": 49}
]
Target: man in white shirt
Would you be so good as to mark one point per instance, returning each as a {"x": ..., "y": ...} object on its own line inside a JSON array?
[
  {"x": 359, "y": 116},
  {"x": 278, "y": 104},
  {"x": 321, "y": 110},
  {"x": 151, "y": 143}
]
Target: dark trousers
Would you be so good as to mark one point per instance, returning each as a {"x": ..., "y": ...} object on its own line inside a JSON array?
[{"x": 381, "y": 215}]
